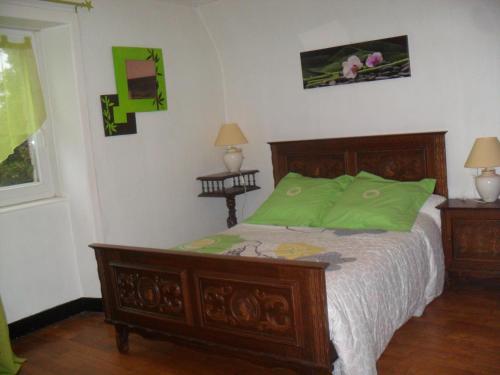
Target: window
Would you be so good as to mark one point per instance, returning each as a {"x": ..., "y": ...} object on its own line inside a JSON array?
[
  {"x": 26, "y": 173},
  {"x": 20, "y": 167}
]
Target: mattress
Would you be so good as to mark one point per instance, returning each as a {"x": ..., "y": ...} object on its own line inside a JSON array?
[{"x": 375, "y": 281}]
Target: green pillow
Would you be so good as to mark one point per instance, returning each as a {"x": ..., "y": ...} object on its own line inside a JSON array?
[
  {"x": 299, "y": 201},
  {"x": 372, "y": 202}
]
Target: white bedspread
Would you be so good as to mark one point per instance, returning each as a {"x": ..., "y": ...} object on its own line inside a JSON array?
[
  {"x": 395, "y": 277},
  {"x": 376, "y": 280}
]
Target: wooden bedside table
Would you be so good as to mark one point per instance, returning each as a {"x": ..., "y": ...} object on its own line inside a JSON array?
[
  {"x": 228, "y": 185},
  {"x": 471, "y": 240}
]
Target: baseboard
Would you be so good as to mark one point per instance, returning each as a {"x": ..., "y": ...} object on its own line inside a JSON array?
[
  {"x": 91, "y": 304},
  {"x": 55, "y": 314}
]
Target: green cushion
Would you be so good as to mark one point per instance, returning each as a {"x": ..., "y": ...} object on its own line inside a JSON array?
[
  {"x": 372, "y": 202},
  {"x": 299, "y": 201}
]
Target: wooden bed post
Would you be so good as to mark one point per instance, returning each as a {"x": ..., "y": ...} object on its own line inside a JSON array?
[{"x": 121, "y": 336}]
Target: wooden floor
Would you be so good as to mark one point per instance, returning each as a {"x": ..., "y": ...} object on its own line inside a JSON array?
[{"x": 458, "y": 334}]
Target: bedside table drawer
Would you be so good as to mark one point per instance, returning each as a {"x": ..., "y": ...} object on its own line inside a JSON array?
[
  {"x": 476, "y": 239},
  {"x": 471, "y": 240}
]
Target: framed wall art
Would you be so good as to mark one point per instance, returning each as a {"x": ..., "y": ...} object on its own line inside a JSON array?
[
  {"x": 360, "y": 62},
  {"x": 140, "y": 80},
  {"x": 111, "y": 126},
  {"x": 140, "y": 85}
]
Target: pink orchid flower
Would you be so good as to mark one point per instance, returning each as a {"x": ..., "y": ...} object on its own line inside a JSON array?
[
  {"x": 374, "y": 59},
  {"x": 351, "y": 66}
]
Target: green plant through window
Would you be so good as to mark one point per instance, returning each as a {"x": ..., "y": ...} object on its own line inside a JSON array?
[
  {"x": 22, "y": 110},
  {"x": 18, "y": 168},
  {"x": 26, "y": 170}
]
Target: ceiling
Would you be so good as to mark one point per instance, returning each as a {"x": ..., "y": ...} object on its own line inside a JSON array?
[{"x": 193, "y": 3}]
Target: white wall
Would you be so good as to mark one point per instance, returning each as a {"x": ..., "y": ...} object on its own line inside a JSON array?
[
  {"x": 137, "y": 189},
  {"x": 37, "y": 259},
  {"x": 147, "y": 182},
  {"x": 454, "y": 49},
  {"x": 70, "y": 128}
]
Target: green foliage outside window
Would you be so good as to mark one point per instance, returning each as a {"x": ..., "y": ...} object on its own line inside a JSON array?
[{"x": 18, "y": 167}]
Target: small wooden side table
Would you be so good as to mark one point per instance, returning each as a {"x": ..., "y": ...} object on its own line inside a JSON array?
[
  {"x": 228, "y": 185},
  {"x": 471, "y": 240}
]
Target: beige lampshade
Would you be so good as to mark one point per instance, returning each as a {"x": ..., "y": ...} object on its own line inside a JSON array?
[
  {"x": 485, "y": 153},
  {"x": 229, "y": 135}
]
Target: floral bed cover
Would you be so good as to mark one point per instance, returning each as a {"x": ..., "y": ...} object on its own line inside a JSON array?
[{"x": 376, "y": 280}]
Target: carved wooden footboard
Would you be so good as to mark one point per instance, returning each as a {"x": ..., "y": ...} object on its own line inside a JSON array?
[{"x": 270, "y": 311}]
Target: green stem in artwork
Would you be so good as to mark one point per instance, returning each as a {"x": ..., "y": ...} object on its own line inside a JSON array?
[
  {"x": 110, "y": 125},
  {"x": 158, "y": 100},
  {"x": 375, "y": 68},
  {"x": 335, "y": 75},
  {"x": 319, "y": 76}
]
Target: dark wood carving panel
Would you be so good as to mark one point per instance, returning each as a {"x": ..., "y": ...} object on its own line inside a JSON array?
[
  {"x": 471, "y": 241},
  {"x": 403, "y": 157},
  {"x": 267, "y": 310},
  {"x": 476, "y": 239},
  {"x": 404, "y": 165},
  {"x": 150, "y": 291},
  {"x": 329, "y": 166},
  {"x": 256, "y": 310}
]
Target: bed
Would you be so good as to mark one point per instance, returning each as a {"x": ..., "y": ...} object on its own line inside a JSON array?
[{"x": 276, "y": 311}]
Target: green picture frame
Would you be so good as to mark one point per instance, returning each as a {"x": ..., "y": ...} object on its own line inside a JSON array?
[{"x": 157, "y": 101}]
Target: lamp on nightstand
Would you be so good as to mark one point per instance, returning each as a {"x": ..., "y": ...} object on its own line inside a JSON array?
[
  {"x": 485, "y": 154},
  {"x": 229, "y": 136}
]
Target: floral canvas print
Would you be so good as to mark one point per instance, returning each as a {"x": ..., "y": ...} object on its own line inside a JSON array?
[{"x": 360, "y": 62}]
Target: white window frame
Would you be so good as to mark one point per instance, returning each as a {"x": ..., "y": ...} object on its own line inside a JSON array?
[{"x": 41, "y": 143}]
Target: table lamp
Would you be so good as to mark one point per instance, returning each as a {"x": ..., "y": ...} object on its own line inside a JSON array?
[
  {"x": 229, "y": 136},
  {"x": 485, "y": 154}
]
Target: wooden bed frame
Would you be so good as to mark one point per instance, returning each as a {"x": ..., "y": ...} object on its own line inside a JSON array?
[{"x": 273, "y": 312}]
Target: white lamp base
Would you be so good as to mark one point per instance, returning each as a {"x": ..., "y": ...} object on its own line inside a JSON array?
[
  {"x": 488, "y": 185},
  {"x": 233, "y": 158}
]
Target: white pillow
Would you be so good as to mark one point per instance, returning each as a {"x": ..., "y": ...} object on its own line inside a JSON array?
[{"x": 430, "y": 209}]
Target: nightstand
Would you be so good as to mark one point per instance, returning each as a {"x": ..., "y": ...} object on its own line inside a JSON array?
[
  {"x": 471, "y": 240},
  {"x": 228, "y": 185}
]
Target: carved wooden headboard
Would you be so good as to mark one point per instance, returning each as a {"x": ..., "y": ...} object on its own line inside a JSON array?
[{"x": 405, "y": 157}]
